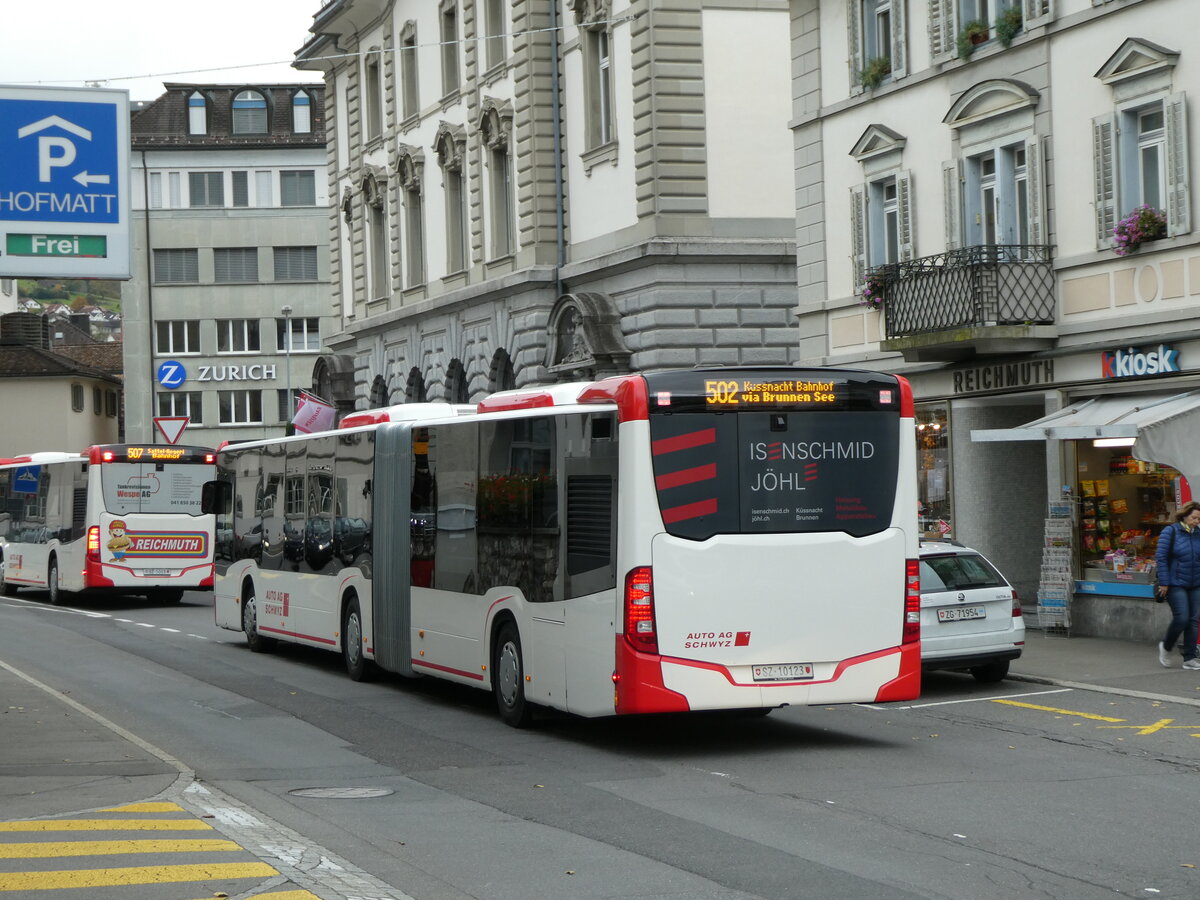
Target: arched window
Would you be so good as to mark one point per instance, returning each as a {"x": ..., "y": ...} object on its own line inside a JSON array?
[
  {"x": 379, "y": 393},
  {"x": 249, "y": 113},
  {"x": 302, "y": 113},
  {"x": 197, "y": 113},
  {"x": 414, "y": 392},
  {"x": 502, "y": 376},
  {"x": 457, "y": 390}
]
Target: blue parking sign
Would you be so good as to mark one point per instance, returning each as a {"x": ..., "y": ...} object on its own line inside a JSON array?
[{"x": 60, "y": 162}]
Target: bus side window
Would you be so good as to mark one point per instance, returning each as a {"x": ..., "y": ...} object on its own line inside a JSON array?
[{"x": 79, "y": 495}]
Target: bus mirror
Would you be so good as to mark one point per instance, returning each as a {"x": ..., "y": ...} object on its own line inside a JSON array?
[{"x": 214, "y": 498}]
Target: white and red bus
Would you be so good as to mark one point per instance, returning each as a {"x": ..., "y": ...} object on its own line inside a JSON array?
[
  {"x": 116, "y": 518},
  {"x": 686, "y": 540}
]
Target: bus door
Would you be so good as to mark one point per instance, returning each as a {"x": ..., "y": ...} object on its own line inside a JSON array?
[{"x": 149, "y": 522}]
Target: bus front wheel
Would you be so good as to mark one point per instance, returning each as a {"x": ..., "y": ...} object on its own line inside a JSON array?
[
  {"x": 358, "y": 667},
  {"x": 508, "y": 677},
  {"x": 255, "y": 641}
]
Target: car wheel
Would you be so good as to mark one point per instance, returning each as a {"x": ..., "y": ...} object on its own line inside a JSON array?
[
  {"x": 991, "y": 672},
  {"x": 508, "y": 677},
  {"x": 357, "y": 665},
  {"x": 255, "y": 641}
]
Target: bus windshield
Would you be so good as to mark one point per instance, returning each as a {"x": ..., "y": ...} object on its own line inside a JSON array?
[
  {"x": 153, "y": 487},
  {"x": 740, "y": 456}
]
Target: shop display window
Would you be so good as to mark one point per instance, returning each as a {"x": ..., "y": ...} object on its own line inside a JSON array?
[
  {"x": 1123, "y": 505},
  {"x": 933, "y": 470}
]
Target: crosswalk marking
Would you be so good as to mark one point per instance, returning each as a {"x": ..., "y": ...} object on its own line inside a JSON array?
[
  {"x": 94, "y": 878},
  {"x": 108, "y": 825},
  {"x": 49, "y": 849}
]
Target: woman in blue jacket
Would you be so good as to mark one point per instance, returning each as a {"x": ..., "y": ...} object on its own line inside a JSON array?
[{"x": 1178, "y": 568}]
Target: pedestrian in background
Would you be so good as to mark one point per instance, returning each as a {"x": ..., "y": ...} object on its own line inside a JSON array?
[{"x": 1178, "y": 576}]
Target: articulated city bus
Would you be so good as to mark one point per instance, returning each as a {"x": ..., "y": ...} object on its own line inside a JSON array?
[
  {"x": 710, "y": 539},
  {"x": 116, "y": 518}
]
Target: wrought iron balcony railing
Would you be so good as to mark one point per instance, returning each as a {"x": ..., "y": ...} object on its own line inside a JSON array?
[{"x": 1010, "y": 284}]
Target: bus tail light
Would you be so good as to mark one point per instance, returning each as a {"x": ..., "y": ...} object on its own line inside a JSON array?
[
  {"x": 93, "y": 544},
  {"x": 639, "y": 610},
  {"x": 912, "y": 602}
]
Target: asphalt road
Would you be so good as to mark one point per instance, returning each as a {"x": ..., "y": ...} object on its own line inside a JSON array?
[{"x": 1011, "y": 790}]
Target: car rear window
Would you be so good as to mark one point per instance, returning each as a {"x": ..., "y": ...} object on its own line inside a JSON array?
[{"x": 958, "y": 572}]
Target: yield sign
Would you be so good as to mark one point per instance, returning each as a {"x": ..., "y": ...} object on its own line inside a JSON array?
[{"x": 171, "y": 426}]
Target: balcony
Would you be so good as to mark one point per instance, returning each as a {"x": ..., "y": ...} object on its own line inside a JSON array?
[{"x": 987, "y": 300}]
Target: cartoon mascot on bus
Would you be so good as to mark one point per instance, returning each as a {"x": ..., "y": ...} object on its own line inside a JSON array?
[{"x": 118, "y": 540}]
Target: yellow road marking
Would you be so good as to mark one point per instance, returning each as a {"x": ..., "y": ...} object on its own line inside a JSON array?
[
  {"x": 1160, "y": 725},
  {"x": 1053, "y": 709},
  {"x": 146, "y": 807},
  {"x": 108, "y": 825},
  {"x": 47, "y": 849},
  {"x": 94, "y": 878}
]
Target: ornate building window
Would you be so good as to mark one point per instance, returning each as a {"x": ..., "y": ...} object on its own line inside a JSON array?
[
  {"x": 410, "y": 168},
  {"x": 496, "y": 129},
  {"x": 450, "y": 146}
]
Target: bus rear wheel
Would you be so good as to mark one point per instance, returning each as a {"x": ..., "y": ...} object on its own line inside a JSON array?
[
  {"x": 508, "y": 677},
  {"x": 57, "y": 595},
  {"x": 358, "y": 667},
  {"x": 255, "y": 641}
]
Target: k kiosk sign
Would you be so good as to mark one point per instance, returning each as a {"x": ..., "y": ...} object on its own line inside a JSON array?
[{"x": 64, "y": 183}]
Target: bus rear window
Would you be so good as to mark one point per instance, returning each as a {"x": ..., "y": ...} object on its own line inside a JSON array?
[
  {"x": 757, "y": 472},
  {"x": 153, "y": 487}
]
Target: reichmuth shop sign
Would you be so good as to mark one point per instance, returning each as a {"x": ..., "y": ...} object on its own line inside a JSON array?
[{"x": 1004, "y": 376}]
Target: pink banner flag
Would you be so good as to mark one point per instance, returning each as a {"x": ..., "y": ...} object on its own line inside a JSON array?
[{"x": 313, "y": 414}]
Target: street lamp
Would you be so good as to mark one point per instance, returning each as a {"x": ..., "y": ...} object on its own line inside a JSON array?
[{"x": 287, "y": 336}]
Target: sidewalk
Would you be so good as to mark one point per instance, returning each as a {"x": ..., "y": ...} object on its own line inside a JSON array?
[
  {"x": 55, "y": 759},
  {"x": 1113, "y": 666}
]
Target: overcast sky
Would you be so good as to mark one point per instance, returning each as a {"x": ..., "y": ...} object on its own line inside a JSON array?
[{"x": 136, "y": 45}]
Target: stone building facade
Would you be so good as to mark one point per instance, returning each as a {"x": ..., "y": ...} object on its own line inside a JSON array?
[{"x": 527, "y": 193}]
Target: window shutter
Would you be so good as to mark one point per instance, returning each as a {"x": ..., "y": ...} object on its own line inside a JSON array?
[
  {"x": 899, "y": 40},
  {"x": 1037, "y": 12},
  {"x": 854, "y": 36},
  {"x": 904, "y": 214},
  {"x": 952, "y": 197},
  {"x": 1179, "y": 199},
  {"x": 942, "y": 29},
  {"x": 1103, "y": 130},
  {"x": 1035, "y": 181},
  {"x": 858, "y": 216}
]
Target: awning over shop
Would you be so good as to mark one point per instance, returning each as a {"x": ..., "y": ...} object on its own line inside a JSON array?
[{"x": 1166, "y": 427}]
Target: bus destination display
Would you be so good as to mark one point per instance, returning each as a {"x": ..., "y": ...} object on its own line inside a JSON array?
[{"x": 747, "y": 393}]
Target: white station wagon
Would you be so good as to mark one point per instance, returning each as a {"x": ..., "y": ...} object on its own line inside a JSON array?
[{"x": 970, "y": 615}]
